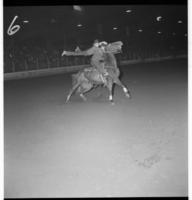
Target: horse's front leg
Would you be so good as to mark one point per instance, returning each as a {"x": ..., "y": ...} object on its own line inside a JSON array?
[
  {"x": 85, "y": 87},
  {"x": 125, "y": 90},
  {"x": 110, "y": 88}
]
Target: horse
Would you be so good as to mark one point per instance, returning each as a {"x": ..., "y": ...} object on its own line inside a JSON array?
[{"x": 89, "y": 78}]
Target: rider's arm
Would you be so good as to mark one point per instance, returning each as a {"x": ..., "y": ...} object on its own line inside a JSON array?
[{"x": 87, "y": 52}]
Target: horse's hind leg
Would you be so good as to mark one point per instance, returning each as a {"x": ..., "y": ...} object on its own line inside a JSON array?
[
  {"x": 83, "y": 97},
  {"x": 85, "y": 87},
  {"x": 71, "y": 92},
  {"x": 125, "y": 90}
]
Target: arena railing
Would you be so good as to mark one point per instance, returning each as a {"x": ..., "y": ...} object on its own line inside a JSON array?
[{"x": 38, "y": 65}]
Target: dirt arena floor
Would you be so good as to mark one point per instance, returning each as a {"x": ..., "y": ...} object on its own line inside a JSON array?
[{"x": 136, "y": 148}]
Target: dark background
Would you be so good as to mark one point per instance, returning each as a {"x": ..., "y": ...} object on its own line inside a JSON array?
[{"x": 57, "y": 25}]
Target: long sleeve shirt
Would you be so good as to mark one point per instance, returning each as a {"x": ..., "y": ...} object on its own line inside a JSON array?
[{"x": 95, "y": 52}]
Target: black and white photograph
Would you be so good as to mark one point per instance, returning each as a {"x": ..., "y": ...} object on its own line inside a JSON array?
[{"x": 95, "y": 100}]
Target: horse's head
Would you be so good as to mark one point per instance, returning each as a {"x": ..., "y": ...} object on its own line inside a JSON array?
[
  {"x": 111, "y": 49},
  {"x": 115, "y": 47}
]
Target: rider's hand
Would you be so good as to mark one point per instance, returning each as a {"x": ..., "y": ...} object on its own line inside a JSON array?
[{"x": 64, "y": 53}]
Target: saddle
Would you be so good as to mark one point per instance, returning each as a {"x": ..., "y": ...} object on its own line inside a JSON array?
[
  {"x": 91, "y": 69},
  {"x": 103, "y": 76}
]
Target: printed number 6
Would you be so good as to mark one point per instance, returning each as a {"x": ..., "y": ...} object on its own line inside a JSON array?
[{"x": 13, "y": 29}]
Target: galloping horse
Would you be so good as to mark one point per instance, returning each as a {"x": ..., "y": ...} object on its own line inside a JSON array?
[{"x": 89, "y": 77}]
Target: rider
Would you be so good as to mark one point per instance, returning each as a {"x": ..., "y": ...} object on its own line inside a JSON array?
[{"x": 97, "y": 60}]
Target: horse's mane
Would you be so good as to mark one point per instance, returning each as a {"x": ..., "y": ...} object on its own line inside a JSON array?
[
  {"x": 114, "y": 47},
  {"x": 109, "y": 57}
]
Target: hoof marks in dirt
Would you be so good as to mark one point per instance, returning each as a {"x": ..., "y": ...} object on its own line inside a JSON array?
[{"x": 149, "y": 162}]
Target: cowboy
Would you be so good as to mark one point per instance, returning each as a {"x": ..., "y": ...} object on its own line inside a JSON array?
[{"x": 97, "y": 59}]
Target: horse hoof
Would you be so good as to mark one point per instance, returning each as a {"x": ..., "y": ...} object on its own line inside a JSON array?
[
  {"x": 83, "y": 97},
  {"x": 128, "y": 96},
  {"x": 67, "y": 100},
  {"x": 112, "y": 103}
]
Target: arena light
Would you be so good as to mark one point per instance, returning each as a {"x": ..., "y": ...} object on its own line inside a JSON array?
[
  {"x": 159, "y": 32},
  {"x": 77, "y": 8},
  {"x": 79, "y": 25},
  {"x": 115, "y": 28},
  {"x": 128, "y": 11},
  {"x": 140, "y": 30},
  {"x": 159, "y": 18},
  {"x": 179, "y": 22},
  {"x": 53, "y": 21},
  {"x": 25, "y": 21}
]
